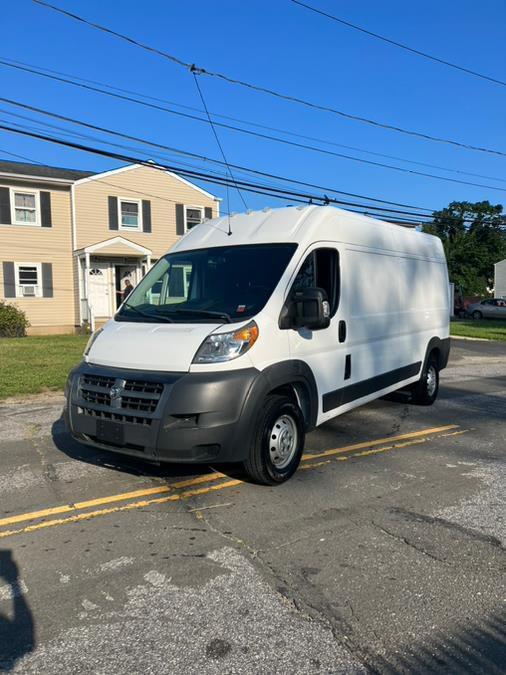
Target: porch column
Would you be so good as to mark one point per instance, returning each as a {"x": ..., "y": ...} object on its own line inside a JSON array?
[
  {"x": 86, "y": 289},
  {"x": 79, "y": 264}
]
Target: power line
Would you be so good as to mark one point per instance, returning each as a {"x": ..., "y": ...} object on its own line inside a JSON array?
[
  {"x": 253, "y": 133},
  {"x": 385, "y": 212},
  {"x": 31, "y": 160},
  {"x": 40, "y": 71},
  {"x": 215, "y": 133},
  {"x": 194, "y": 155},
  {"x": 398, "y": 44},
  {"x": 266, "y": 90},
  {"x": 247, "y": 186}
]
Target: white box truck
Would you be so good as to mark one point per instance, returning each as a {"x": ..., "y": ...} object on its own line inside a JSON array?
[{"x": 251, "y": 332}]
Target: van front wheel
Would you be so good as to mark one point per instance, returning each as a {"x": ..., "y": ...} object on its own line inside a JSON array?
[
  {"x": 277, "y": 442},
  {"x": 425, "y": 391}
]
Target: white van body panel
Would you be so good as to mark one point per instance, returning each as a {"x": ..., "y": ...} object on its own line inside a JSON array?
[
  {"x": 148, "y": 346},
  {"x": 393, "y": 293},
  {"x": 393, "y": 298}
]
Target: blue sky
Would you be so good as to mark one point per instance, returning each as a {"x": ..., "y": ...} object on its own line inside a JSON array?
[{"x": 282, "y": 46}]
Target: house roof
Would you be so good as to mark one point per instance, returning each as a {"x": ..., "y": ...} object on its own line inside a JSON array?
[
  {"x": 41, "y": 170},
  {"x": 25, "y": 170}
]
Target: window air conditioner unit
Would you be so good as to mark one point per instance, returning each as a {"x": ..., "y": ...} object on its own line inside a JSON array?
[{"x": 28, "y": 291}]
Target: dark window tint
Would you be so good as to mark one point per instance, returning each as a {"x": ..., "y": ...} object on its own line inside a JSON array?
[
  {"x": 321, "y": 270},
  {"x": 187, "y": 286}
]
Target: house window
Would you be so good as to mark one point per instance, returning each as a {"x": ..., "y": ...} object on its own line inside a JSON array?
[
  {"x": 25, "y": 207},
  {"x": 194, "y": 215},
  {"x": 129, "y": 214},
  {"x": 28, "y": 280}
]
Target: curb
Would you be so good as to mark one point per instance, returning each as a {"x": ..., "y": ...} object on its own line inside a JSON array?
[{"x": 472, "y": 339}]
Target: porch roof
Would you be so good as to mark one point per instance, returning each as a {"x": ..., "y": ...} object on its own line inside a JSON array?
[{"x": 116, "y": 246}]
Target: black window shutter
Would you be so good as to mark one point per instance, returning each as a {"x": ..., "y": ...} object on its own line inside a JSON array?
[
  {"x": 146, "y": 215},
  {"x": 208, "y": 212},
  {"x": 9, "y": 280},
  {"x": 47, "y": 280},
  {"x": 179, "y": 218},
  {"x": 5, "y": 206},
  {"x": 113, "y": 213},
  {"x": 45, "y": 209}
]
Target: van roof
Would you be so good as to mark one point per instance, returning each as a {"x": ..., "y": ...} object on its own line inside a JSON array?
[{"x": 307, "y": 224}]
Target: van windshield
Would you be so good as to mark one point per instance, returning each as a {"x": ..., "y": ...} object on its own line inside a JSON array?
[{"x": 219, "y": 284}]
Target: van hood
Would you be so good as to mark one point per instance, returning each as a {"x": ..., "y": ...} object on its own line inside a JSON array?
[{"x": 147, "y": 346}]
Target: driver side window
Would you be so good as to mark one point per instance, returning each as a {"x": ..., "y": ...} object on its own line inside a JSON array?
[{"x": 321, "y": 270}]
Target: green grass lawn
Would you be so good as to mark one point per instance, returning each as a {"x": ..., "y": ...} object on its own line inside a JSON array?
[
  {"x": 488, "y": 329},
  {"x": 36, "y": 364}
]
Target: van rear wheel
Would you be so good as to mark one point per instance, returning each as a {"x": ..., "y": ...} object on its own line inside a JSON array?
[
  {"x": 277, "y": 443},
  {"x": 425, "y": 391}
]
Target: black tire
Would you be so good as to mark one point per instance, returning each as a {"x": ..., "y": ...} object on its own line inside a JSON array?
[
  {"x": 260, "y": 466},
  {"x": 425, "y": 391},
  {"x": 477, "y": 315}
]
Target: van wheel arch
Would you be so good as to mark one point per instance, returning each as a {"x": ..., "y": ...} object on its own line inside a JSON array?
[
  {"x": 293, "y": 378},
  {"x": 300, "y": 395},
  {"x": 440, "y": 350}
]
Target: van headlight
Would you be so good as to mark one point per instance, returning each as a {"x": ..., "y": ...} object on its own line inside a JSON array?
[
  {"x": 90, "y": 342},
  {"x": 227, "y": 346}
]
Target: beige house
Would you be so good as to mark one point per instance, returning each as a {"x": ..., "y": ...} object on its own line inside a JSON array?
[{"x": 69, "y": 239}]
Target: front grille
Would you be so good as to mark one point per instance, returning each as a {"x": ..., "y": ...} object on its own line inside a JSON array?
[
  {"x": 141, "y": 404},
  {"x": 97, "y": 381},
  {"x": 115, "y": 417},
  {"x": 144, "y": 387},
  {"x": 135, "y": 398},
  {"x": 97, "y": 397}
]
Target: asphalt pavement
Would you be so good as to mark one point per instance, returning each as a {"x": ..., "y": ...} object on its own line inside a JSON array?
[{"x": 385, "y": 552}]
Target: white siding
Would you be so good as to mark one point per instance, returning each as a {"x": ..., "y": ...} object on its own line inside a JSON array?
[{"x": 500, "y": 279}]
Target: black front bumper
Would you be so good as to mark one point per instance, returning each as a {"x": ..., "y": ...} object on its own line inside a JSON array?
[{"x": 166, "y": 417}]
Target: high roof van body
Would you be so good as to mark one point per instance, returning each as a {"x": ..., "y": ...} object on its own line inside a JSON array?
[{"x": 250, "y": 333}]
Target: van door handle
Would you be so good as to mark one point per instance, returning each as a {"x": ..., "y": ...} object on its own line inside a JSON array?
[
  {"x": 347, "y": 367},
  {"x": 342, "y": 331}
]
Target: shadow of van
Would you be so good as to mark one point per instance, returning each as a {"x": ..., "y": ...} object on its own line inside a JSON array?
[
  {"x": 135, "y": 466},
  {"x": 17, "y": 631}
]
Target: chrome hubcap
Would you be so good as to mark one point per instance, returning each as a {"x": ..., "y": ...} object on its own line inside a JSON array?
[
  {"x": 283, "y": 440},
  {"x": 431, "y": 380}
]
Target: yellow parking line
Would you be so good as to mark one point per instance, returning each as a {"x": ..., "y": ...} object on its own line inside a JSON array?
[
  {"x": 378, "y": 441},
  {"x": 206, "y": 478},
  {"x": 78, "y": 506},
  {"x": 375, "y": 451},
  {"x": 116, "y": 509}
]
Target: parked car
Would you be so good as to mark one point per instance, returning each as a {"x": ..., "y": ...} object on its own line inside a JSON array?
[
  {"x": 282, "y": 320},
  {"x": 493, "y": 308}
]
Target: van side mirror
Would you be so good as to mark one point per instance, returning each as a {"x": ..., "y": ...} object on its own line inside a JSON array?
[{"x": 308, "y": 308}]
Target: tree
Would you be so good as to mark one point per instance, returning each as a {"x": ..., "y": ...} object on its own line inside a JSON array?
[{"x": 474, "y": 238}]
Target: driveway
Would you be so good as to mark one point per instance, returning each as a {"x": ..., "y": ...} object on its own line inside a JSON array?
[{"x": 385, "y": 552}]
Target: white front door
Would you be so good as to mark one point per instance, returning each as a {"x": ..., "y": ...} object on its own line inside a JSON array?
[
  {"x": 323, "y": 350},
  {"x": 99, "y": 292}
]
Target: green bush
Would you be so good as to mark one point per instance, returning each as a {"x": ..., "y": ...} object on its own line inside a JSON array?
[{"x": 13, "y": 321}]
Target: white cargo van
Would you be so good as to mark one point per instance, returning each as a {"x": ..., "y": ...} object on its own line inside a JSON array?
[{"x": 234, "y": 346}]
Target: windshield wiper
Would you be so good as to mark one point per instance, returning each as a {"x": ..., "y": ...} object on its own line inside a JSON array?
[
  {"x": 203, "y": 312},
  {"x": 156, "y": 317}
]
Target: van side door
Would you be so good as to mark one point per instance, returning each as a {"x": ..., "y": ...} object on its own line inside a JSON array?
[{"x": 322, "y": 350}]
